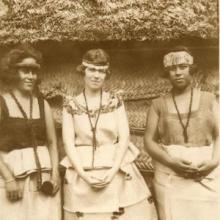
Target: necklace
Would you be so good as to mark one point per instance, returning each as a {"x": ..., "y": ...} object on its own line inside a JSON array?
[
  {"x": 93, "y": 127},
  {"x": 184, "y": 127},
  {"x": 28, "y": 120},
  {"x": 21, "y": 108}
]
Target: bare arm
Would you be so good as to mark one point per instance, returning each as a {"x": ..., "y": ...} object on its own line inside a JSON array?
[
  {"x": 5, "y": 171},
  {"x": 52, "y": 141},
  {"x": 69, "y": 142},
  {"x": 209, "y": 165},
  {"x": 123, "y": 136},
  {"x": 216, "y": 147},
  {"x": 150, "y": 139}
]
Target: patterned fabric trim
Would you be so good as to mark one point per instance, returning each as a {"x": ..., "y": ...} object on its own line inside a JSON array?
[{"x": 74, "y": 107}]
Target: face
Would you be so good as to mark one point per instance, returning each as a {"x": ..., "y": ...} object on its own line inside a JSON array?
[
  {"x": 179, "y": 76},
  {"x": 94, "y": 78},
  {"x": 27, "y": 76}
]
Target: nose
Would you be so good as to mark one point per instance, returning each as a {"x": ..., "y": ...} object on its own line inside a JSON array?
[
  {"x": 178, "y": 71},
  {"x": 97, "y": 74},
  {"x": 30, "y": 74}
]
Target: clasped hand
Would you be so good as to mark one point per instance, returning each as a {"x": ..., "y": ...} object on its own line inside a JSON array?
[
  {"x": 101, "y": 181},
  {"x": 186, "y": 169}
]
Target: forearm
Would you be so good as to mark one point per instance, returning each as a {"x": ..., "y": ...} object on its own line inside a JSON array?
[
  {"x": 157, "y": 153},
  {"x": 52, "y": 147},
  {"x": 216, "y": 142},
  {"x": 73, "y": 157},
  {"x": 5, "y": 171},
  {"x": 123, "y": 136},
  {"x": 120, "y": 153},
  {"x": 216, "y": 151}
]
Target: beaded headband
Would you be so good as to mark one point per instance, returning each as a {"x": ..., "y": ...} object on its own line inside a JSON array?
[{"x": 176, "y": 58}]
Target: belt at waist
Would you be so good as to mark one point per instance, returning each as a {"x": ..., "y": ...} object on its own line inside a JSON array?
[{"x": 104, "y": 156}]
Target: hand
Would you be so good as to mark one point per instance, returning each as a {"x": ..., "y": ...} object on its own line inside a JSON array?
[
  {"x": 93, "y": 181},
  {"x": 13, "y": 191},
  {"x": 109, "y": 175},
  {"x": 183, "y": 167},
  {"x": 206, "y": 167},
  {"x": 55, "y": 180}
]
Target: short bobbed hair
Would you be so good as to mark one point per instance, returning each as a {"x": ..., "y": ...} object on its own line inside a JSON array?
[
  {"x": 97, "y": 57},
  {"x": 8, "y": 65},
  {"x": 193, "y": 67}
]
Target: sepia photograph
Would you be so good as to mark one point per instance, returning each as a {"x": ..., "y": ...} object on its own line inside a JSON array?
[{"x": 109, "y": 110}]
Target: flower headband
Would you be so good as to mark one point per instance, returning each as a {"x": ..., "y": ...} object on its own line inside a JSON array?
[
  {"x": 96, "y": 66},
  {"x": 176, "y": 58}
]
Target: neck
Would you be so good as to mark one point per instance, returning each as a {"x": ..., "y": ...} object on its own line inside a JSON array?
[
  {"x": 22, "y": 94},
  {"x": 185, "y": 90},
  {"x": 92, "y": 93}
]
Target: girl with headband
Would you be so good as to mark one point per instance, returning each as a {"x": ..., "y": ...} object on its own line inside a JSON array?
[
  {"x": 182, "y": 137},
  {"x": 102, "y": 181},
  {"x": 29, "y": 176}
]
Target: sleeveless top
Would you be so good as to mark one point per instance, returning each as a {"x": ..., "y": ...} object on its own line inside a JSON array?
[
  {"x": 202, "y": 125},
  {"x": 106, "y": 133},
  {"x": 15, "y": 132}
]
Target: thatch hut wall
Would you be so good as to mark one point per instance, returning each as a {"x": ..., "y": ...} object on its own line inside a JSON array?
[{"x": 98, "y": 20}]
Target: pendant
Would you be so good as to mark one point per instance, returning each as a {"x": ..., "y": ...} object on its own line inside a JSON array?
[{"x": 185, "y": 136}]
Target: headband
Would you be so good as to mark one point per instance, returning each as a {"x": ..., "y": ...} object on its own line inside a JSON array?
[
  {"x": 28, "y": 62},
  {"x": 176, "y": 58},
  {"x": 96, "y": 66}
]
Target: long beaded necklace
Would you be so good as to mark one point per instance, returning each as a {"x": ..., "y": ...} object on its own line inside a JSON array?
[
  {"x": 93, "y": 127},
  {"x": 39, "y": 175},
  {"x": 184, "y": 127}
]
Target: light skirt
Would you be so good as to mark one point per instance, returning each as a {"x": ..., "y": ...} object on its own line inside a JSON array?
[
  {"x": 33, "y": 206},
  {"x": 79, "y": 196},
  {"x": 140, "y": 211},
  {"x": 179, "y": 198}
]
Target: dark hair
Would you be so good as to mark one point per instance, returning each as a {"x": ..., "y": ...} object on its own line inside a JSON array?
[
  {"x": 8, "y": 69},
  {"x": 97, "y": 57},
  {"x": 193, "y": 67}
]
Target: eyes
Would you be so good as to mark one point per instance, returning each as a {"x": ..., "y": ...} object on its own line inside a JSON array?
[
  {"x": 179, "y": 67},
  {"x": 27, "y": 70},
  {"x": 183, "y": 66},
  {"x": 94, "y": 70}
]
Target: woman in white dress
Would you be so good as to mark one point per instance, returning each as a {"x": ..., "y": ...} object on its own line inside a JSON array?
[{"x": 102, "y": 181}]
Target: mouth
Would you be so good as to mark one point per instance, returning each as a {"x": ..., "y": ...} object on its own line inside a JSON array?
[
  {"x": 179, "y": 80},
  {"x": 95, "y": 82},
  {"x": 29, "y": 83}
]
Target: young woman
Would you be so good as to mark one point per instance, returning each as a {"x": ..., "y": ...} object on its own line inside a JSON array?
[
  {"x": 182, "y": 137},
  {"x": 28, "y": 151},
  {"x": 102, "y": 181}
]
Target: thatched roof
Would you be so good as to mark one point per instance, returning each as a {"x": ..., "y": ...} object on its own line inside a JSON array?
[{"x": 89, "y": 20}]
